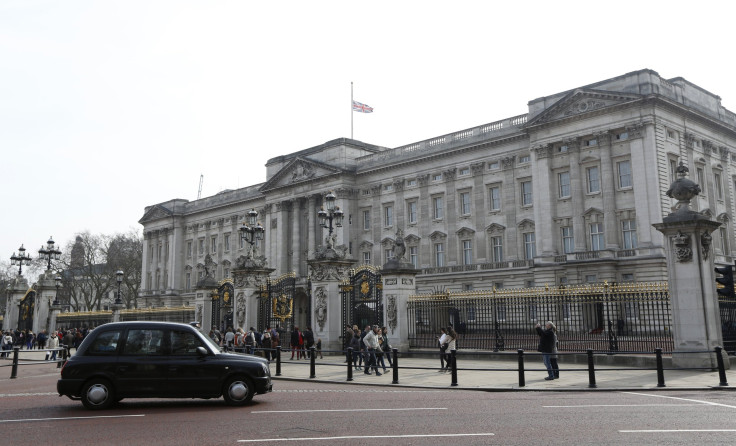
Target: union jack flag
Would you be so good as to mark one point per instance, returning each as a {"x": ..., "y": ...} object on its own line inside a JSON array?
[{"x": 362, "y": 108}]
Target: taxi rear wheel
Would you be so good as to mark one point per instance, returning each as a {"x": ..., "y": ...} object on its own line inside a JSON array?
[
  {"x": 98, "y": 394},
  {"x": 238, "y": 390}
]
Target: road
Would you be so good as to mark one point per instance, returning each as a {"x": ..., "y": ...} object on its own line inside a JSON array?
[{"x": 317, "y": 413}]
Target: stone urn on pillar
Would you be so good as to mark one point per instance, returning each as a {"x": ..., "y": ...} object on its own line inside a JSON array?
[{"x": 695, "y": 315}]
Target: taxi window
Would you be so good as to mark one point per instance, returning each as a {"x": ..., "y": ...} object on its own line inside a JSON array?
[
  {"x": 144, "y": 342},
  {"x": 105, "y": 343},
  {"x": 184, "y": 343}
]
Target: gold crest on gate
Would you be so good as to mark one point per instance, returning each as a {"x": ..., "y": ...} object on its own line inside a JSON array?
[{"x": 283, "y": 307}]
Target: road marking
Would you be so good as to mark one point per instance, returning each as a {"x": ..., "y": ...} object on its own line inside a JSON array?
[
  {"x": 346, "y": 410},
  {"x": 71, "y": 418},
  {"x": 682, "y": 399},
  {"x": 357, "y": 437},
  {"x": 6, "y": 395},
  {"x": 627, "y": 405},
  {"x": 659, "y": 431}
]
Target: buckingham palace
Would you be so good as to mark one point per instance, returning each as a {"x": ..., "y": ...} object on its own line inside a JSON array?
[{"x": 565, "y": 194}]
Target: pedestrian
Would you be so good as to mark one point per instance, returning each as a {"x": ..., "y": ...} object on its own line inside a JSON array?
[
  {"x": 546, "y": 346},
  {"x": 308, "y": 341},
  {"x": 296, "y": 341},
  {"x": 239, "y": 340},
  {"x": 355, "y": 344},
  {"x": 371, "y": 344},
  {"x": 7, "y": 344},
  {"x": 42, "y": 338},
  {"x": 266, "y": 343},
  {"x": 441, "y": 340},
  {"x": 553, "y": 356},
  {"x": 346, "y": 339},
  {"x": 379, "y": 352},
  {"x": 229, "y": 339},
  {"x": 68, "y": 340},
  {"x": 318, "y": 347},
  {"x": 52, "y": 344},
  {"x": 250, "y": 341},
  {"x": 386, "y": 347},
  {"x": 30, "y": 339},
  {"x": 451, "y": 342}
]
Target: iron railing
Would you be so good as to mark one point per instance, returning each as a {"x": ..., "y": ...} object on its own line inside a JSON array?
[{"x": 602, "y": 317}]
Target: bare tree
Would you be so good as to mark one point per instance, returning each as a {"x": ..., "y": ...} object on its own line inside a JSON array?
[
  {"x": 125, "y": 253},
  {"x": 87, "y": 278}
]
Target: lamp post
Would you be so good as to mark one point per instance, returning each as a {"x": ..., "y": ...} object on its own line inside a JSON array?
[
  {"x": 21, "y": 259},
  {"x": 50, "y": 253},
  {"x": 333, "y": 212},
  {"x": 119, "y": 277},
  {"x": 251, "y": 231},
  {"x": 57, "y": 279}
]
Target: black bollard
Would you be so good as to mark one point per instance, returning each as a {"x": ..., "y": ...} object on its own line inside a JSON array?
[
  {"x": 312, "y": 368},
  {"x": 721, "y": 367},
  {"x": 522, "y": 382},
  {"x": 591, "y": 370},
  {"x": 660, "y": 368},
  {"x": 14, "y": 370},
  {"x": 453, "y": 358},
  {"x": 395, "y": 365},
  {"x": 350, "y": 363},
  {"x": 278, "y": 360}
]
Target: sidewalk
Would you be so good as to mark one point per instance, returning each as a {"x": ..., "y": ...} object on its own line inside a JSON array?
[{"x": 502, "y": 375}]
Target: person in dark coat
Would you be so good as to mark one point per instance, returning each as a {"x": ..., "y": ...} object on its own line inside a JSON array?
[
  {"x": 547, "y": 346},
  {"x": 308, "y": 340},
  {"x": 296, "y": 335}
]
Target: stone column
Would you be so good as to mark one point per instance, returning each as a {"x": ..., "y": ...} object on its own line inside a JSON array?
[
  {"x": 205, "y": 288},
  {"x": 327, "y": 275},
  {"x": 247, "y": 283},
  {"x": 480, "y": 212},
  {"x": 296, "y": 236},
  {"x": 695, "y": 312},
  {"x": 16, "y": 290},
  {"x": 312, "y": 226},
  {"x": 45, "y": 293},
  {"x": 609, "y": 185},
  {"x": 398, "y": 284},
  {"x": 545, "y": 192},
  {"x": 578, "y": 187},
  {"x": 450, "y": 218}
]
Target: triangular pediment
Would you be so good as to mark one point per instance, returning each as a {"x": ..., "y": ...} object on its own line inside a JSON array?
[
  {"x": 299, "y": 170},
  {"x": 465, "y": 232},
  {"x": 155, "y": 212},
  {"x": 437, "y": 235},
  {"x": 495, "y": 228},
  {"x": 582, "y": 101},
  {"x": 365, "y": 244},
  {"x": 411, "y": 239}
]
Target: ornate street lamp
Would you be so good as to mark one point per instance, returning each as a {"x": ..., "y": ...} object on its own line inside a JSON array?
[
  {"x": 119, "y": 277},
  {"x": 252, "y": 231},
  {"x": 21, "y": 259},
  {"x": 333, "y": 212},
  {"x": 49, "y": 253},
  {"x": 57, "y": 279}
]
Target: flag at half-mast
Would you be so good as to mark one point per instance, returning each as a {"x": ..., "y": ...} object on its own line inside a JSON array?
[{"x": 362, "y": 108}]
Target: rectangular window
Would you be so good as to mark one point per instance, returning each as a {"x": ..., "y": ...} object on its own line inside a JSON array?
[
  {"x": 594, "y": 180},
  {"x": 493, "y": 165},
  {"x": 465, "y": 171},
  {"x": 189, "y": 248},
  {"x": 226, "y": 272},
  {"x": 564, "y": 181},
  {"x": 533, "y": 312},
  {"x": 411, "y": 211},
  {"x": 213, "y": 243},
  {"x": 624, "y": 174},
  {"x": 591, "y": 142},
  {"x": 623, "y": 136},
  {"x": 367, "y": 257},
  {"x": 591, "y": 278},
  {"x": 701, "y": 180},
  {"x": 144, "y": 342},
  {"x": 530, "y": 248},
  {"x": 465, "y": 203},
  {"x": 437, "y": 177},
  {"x": 388, "y": 254},
  {"x": 563, "y": 148},
  {"x": 439, "y": 254},
  {"x": 188, "y": 282},
  {"x": 568, "y": 242},
  {"x": 439, "y": 210},
  {"x": 724, "y": 240},
  {"x": 719, "y": 185},
  {"x": 366, "y": 220},
  {"x": 524, "y": 159},
  {"x": 628, "y": 228},
  {"x": 673, "y": 169},
  {"x": 158, "y": 257},
  {"x": 414, "y": 256},
  {"x": 497, "y": 248},
  {"x": 201, "y": 246},
  {"x": 227, "y": 242},
  {"x": 627, "y": 277},
  {"x": 388, "y": 187},
  {"x": 596, "y": 236},
  {"x": 467, "y": 252},
  {"x": 671, "y": 135},
  {"x": 526, "y": 193},
  {"x": 495, "y": 195},
  {"x": 388, "y": 216},
  {"x": 412, "y": 182},
  {"x": 242, "y": 242}
]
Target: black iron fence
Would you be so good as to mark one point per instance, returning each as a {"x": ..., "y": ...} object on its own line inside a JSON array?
[{"x": 602, "y": 317}]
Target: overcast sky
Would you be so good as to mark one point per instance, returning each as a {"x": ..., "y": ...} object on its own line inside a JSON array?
[{"x": 110, "y": 106}]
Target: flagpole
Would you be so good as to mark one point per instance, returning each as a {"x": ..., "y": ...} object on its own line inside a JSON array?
[{"x": 351, "y": 109}]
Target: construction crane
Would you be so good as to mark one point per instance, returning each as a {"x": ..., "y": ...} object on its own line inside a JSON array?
[{"x": 201, "y": 179}]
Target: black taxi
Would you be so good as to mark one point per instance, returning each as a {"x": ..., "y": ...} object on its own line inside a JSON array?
[{"x": 158, "y": 360}]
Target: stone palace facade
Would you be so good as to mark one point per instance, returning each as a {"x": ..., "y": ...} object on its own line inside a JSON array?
[{"x": 565, "y": 194}]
